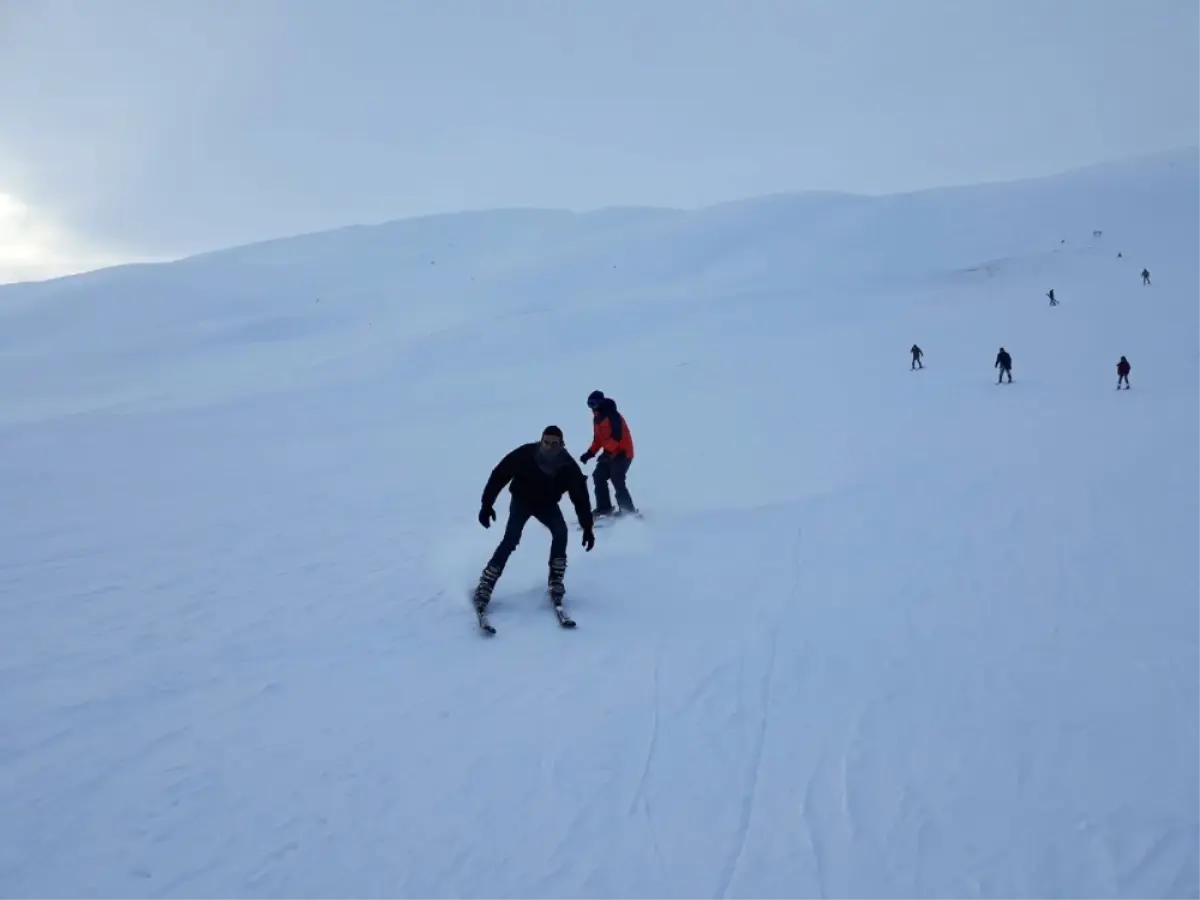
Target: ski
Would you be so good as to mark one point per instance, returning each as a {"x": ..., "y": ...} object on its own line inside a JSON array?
[
  {"x": 481, "y": 616},
  {"x": 561, "y": 614},
  {"x": 610, "y": 520},
  {"x": 484, "y": 625}
]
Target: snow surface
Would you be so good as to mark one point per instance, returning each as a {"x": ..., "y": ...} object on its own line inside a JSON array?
[{"x": 881, "y": 632}]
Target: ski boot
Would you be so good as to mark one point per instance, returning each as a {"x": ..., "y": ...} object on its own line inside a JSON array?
[
  {"x": 554, "y": 583},
  {"x": 483, "y": 593}
]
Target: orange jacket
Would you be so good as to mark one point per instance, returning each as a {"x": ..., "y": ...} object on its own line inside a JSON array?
[{"x": 610, "y": 432}]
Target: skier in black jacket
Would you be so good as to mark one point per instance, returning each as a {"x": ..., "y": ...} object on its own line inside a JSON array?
[
  {"x": 539, "y": 473},
  {"x": 1004, "y": 364}
]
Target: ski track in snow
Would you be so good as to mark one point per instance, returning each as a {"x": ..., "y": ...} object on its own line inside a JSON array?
[
  {"x": 905, "y": 635},
  {"x": 752, "y": 788}
]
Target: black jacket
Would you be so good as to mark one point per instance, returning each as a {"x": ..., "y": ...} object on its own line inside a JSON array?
[
  {"x": 1003, "y": 360},
  {"x": 537, "y": 489}
]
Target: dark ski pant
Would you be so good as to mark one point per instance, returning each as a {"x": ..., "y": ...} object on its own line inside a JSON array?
[
  {"x": 614, "y": 469},
  {"x": 518, "y": 514},
  {"x": 916, "y": 363},
  {"x": 1005, "y": 371},
  {"x": 1124, "y": 378}
]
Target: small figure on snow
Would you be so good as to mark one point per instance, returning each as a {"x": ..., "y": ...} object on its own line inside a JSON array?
[
  {"x": 1004, "y": 364},
  {"x": 1145, "y": 276},
  {"x": 540, "y": 473},
  {"x": 1050, "y": 294},
  {"x": 917, "y": 353},
  {"x": 1123, "y": 368},
  {"x": 610, "y": 434}
]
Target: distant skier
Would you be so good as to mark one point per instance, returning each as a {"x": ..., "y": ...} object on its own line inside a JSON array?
[
  {"x": 610, "y": 434},
  {"x": 1004, "y": 364},
  {"x": 1053, "y": 302},
  {"x": 917, "y": 353},
  {"x": 1123, "y": 368},
  {"x": 1145, "y": 276},
  {"x": 540, "y": 473}
]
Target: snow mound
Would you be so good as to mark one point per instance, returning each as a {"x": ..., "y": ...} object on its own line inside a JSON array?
[{"x": 882, "y": 632}]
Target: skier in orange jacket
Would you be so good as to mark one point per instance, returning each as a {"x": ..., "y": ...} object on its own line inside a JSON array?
[{"x": 610, "y": 438}]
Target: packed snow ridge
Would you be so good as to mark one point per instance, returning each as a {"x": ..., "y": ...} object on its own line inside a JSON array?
[{"x": 882, "y": 631}]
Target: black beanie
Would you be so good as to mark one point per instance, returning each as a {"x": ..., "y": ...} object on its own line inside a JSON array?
[{"x": 554, "y": 431}]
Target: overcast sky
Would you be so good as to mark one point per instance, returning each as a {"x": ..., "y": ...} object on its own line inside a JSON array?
[{"x": 152, "y": 128}]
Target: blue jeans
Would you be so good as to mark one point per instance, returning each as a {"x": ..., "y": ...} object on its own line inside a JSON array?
[{"x": 518, "y": 514}]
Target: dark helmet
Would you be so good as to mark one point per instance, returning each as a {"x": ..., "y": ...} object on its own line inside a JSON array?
[{"x": 595, "y": 398}]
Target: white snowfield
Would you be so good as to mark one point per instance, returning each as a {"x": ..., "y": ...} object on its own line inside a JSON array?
[{"x": 882, "y": 632}]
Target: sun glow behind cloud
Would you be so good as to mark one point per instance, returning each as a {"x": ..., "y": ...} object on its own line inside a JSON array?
[{"x": 33, "y": 247}]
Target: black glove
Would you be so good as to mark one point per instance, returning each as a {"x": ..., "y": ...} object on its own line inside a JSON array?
[
  {"x": 586, "y": 457},
  {"x": 486, "y": 513},
  {"x": 589, "y": 539}
]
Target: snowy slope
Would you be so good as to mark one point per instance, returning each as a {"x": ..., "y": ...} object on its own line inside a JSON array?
[{"x": 881, "y": 633}]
